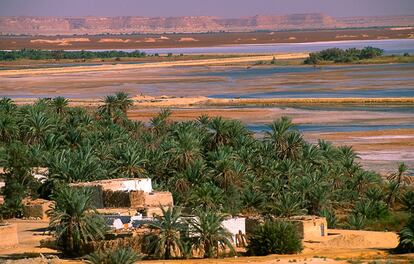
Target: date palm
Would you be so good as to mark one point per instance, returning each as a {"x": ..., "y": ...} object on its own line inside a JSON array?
[
  {"x": 123, "y": 101},
  {"x": 406, "y": 237},
  {"x": 59, "y": 104},
  {"x": 8, "y": 128},
  {"x": 165, "y": 239},
  {"x": 207, "y": 195},
  {"x": 115, "y": 256},
  {"x": 36, "y": 125},
  {"x": 184, "y": 149},
  {"x": 109, "y": 105},
  {"x": 130, "y": 161},
  {"x": 218, "y": 131},
  {"x": 74, "y": 220},
  {"x": 209, "y": 235},
  {"x": 286, "y": 141},
  {"x": 7, "y": 105}
]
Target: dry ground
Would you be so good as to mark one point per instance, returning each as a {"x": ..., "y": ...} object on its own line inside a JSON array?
[{"x": 196, "y": 40}]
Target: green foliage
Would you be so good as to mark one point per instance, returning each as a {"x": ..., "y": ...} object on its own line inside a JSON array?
[
  {"x": 406, "y": 236},
  {"x": 165, "y": 239},
  {"x": 117, "y": 256},
  {"x": 19, "y": 182},
  {"x": 208, "y": 235},
  {"x": 395, "y": 221},
  {"x": 371, "y": 209},
  {"x": 356, "y": 221},
  {"x": 275, "y": 237},
  {"x": 408, "y": 201},
  {"x": 340, "y": 55},
  {"x": 207, "y": 163},
  {"x": 74, "y": 220},
  {"x": 61, "y": 54}
]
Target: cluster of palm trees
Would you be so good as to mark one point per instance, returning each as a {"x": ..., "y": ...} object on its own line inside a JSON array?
[
  {"x": 176, "y": 237},
  {"x": 209, "y": 163}
]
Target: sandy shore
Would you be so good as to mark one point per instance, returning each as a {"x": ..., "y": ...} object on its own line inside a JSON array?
[{"x": 120, "y": 67}]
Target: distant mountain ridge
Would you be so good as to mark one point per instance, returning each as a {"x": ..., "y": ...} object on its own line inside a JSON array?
[{"x": 188, "y": 24}]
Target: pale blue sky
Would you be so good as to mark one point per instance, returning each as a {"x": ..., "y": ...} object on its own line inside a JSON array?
[{"x": 223, "y": 8}]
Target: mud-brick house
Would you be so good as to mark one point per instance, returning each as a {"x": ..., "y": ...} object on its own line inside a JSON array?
[
  {"x": 128, "y": 193},
  {"x": 310, "y": 227}
]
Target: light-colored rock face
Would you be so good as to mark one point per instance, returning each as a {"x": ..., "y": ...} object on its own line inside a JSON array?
[{"x": 96, "y": 25}]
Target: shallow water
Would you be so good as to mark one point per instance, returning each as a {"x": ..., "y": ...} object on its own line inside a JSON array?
[
  {"x": 329, "y": 128},
  {"x": 390, "y": 46}
]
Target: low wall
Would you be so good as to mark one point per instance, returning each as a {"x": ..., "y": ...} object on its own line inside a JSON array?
[
  {"x": 311, "y": 227},
  {"x": 113, "y": 199},
  {"x": 136, "y": 199},
  {"x": 8, "y": 235},
  {"x": 36, "y": 209},
  {"x": 134, "y": 242},
  {"x": 158, "y": 199},
  {"x": 235, "y": 226}
]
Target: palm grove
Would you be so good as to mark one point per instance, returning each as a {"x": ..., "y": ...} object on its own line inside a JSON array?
[{"x": 215, "y": 165}]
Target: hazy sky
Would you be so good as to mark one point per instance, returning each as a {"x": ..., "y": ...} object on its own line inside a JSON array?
[{"x": 224, "y": 8}]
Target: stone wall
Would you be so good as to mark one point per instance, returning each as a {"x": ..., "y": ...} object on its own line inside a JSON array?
[
  {"x": 113, "y": 199},
  {"x": 311, "y": 227},
  {"x": 136, "y": 199},
  {"x": 36, "y": 209},
  {"x": 8, "y": 235},
  {"x": 156, "y": 199}
]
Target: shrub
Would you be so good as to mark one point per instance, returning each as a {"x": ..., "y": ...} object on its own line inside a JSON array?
[
  {"x": 406, "y": 236},
  {"x": 356, "y": 221},
  {"x": 371, "y": 209},
  {"x": 74, "y": 220},
  {"x": 117, "y": 256},
  {"x": 340, "y": 55},
  {"x": 408, "y": 201},
  {"x": 275, "y": 237}
]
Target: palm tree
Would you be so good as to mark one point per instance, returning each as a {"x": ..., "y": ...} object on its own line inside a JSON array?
[
  {"x": 130, "y": 161},
  {"x": 406, "y": 236},
  {"x": 226, "y": 171},
  {"x": 60, "y": 103},
  {"x": 36, "y": 125},
  {"x": 288, "y": 204},
  {"x": 185, "y": 149},
  {"x": 208, "y": 233},
  {"x": 207, "y": 196},
  {"x": 123, "y": 101},
  {"x": 7, "y": 105},
  {"x": 74, "y": 220},
  {"x": 116, "y": 256},
  {"x": 165, "y": 240},
  {"x": 8, "y": 128},
  {"x": 395, "y": 182},
  {"x": 218, "y": 130},
  {"x": 285, "y": 140},
  {"x": 159, "y": 122},
  {"x": 110, "y": 104}
]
